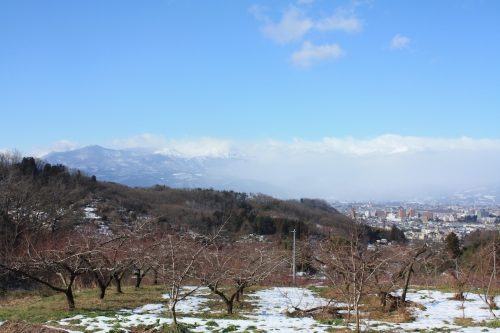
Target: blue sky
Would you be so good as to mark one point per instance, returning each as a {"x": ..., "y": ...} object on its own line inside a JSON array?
[{"x": 92, "y": 72}]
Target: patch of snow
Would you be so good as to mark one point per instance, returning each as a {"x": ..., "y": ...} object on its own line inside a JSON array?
[
  {"x": 150, "y": 308},
  {"x": 283, "y": 300},
  {"x": 273, "y": 305},
  {"x": 194, "y": 303},
  {"x": 90, "y": 213},
  {"x": 441, "y": 311}
]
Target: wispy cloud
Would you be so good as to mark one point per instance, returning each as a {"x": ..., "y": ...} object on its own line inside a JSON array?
[
  {"x": 197, "y": 147},
  {"x": 292, "y": 26},
  {"x": 310, "y": 53},
  {"x": 382, "y": 145},
  {"x": 304, "y": 2},
  {"x": 295, "y": 24},
  {"x": 342, "y": 19},
  {"x": 57, "y": 146},
  {"x": 386, "y": 145},
  {"x": 383, "y": 167},
  {"x": 399, "y": 42}
]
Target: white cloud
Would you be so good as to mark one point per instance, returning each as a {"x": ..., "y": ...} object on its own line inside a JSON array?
[
  {"x": 58, "y": 146},
  {"x": 383, "y": 167},
  {"x": 389, "y": 144},
  {"x": 400, "y": 42},
  {"x": 388, "y": 166},
  {"x": 145, "y": 140},
  {"x": 383, "y": 145},
  {"x": 204, "y": 147},
  {"x": 292, "y": 26},
  {"x": 342, "y": 20},
  {"x": 310, "y": 53},
  {"x": 304, "y": 2},
  {"x": 198, "y": 147}
]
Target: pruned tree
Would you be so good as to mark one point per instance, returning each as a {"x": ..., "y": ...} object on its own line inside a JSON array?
[
  {"x": 177, "y": 262},
  {"x": 350, "y": 267},
  {"x": 143, "y": 249},
  {"x": 106, "y": 258},
  {"x": 407, "y": 269},
  {"x": 488, "y": 270},
  {"x": 54, "y": 261},
  {"x": 231, "y": 268}
]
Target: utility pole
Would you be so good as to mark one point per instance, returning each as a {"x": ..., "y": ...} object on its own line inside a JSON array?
[{"x": 293, "y": 257}]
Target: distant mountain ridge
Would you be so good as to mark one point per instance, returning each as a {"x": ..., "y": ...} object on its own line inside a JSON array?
[
  {"x": 144, "y": 168},
  {"x": 137, "y": 167}
]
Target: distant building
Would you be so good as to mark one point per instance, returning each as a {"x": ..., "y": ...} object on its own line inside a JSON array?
[
  {"x": 402, "y": 213},
  {"x": 482, "y": 213},
  {"x": 427, "y": 216},
  {"x": 412, "y": 212},
  {"x": 353, "y": 213}
]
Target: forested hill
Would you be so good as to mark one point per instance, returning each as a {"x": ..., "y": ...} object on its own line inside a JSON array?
[{"x": 35, "y": 195}]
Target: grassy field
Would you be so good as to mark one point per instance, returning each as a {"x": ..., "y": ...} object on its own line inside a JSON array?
[
  {"x": 260, "y": 308},
  {"x": 39, "y": 307}
]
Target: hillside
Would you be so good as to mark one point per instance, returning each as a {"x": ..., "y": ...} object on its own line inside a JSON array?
[{"x": 68, "y": 198}]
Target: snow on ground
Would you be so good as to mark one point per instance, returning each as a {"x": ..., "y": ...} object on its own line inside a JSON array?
[
  {"x": 90, "y": 213},
  {"x": 271, "y": 307},
  {"x": 441, "y": 311},
  {"x": 269, "y": 314},
  {"x": 285, "y": 299},
  {"x": 194, "y": 304}
]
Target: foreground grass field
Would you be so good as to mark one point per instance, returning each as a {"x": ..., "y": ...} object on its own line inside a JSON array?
[
  {"x": 41, "y": 306},
  {"x": 265, "y": 309}
]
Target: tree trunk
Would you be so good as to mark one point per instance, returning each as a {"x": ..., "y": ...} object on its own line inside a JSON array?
[
  {"x": 358, "y": 329},
  {"x": 102, "y": 292},
  {"x": 407, "y": 283},
  {"x": 383, "y": 298},
  {"x": 118, "y": 281},
  {"x": 239, "y": 295},
  {"x": 70, "y": 299},
  {"x": 138, "y": 281},
  {"x": 357, "y": 299},
  {"x": 229, "y": 306},
  {"x": 103, "y": 285},
  {"x": 174, "y": 314}
]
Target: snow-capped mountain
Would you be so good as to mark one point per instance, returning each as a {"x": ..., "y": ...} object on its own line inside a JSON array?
[
  {"x": 138, "y": 167},
  {"x": 144, "y": 168}
]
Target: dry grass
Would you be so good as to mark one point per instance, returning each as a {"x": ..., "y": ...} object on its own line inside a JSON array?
[
  {"x": 18, "y": 327},
  {"x": 39, "y": 308},
  {"x": 373, "y": 311}
]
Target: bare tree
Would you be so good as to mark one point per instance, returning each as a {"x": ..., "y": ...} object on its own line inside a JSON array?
[
  {"x": 408, "y": 269},
  {"x": 178, "y": 260},
  {"x": 143, "y": 248},
  {"x": 350, "y": 267},
  {"x": 487, "y": 272},
  {"x": 106, "y": 258},
  {"x": 54, "y": 261},
  {"x": 230, "y": 268}
]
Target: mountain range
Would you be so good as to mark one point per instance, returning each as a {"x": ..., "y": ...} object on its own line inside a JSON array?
[{"x": 144, "y": 168}]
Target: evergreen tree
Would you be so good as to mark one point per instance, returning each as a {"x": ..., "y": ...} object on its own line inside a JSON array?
[{"x": 452, "y": 245}]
